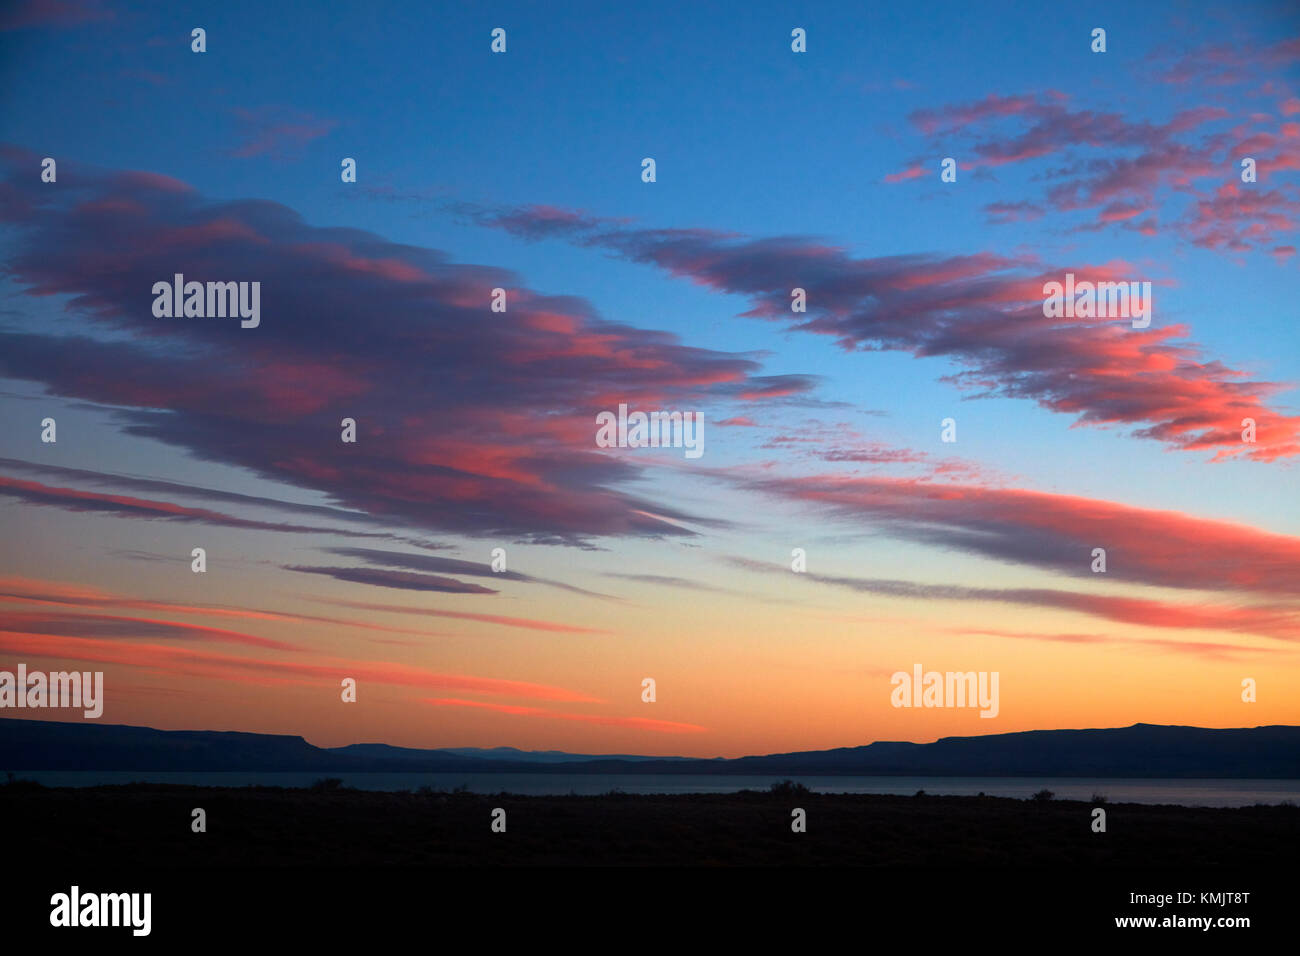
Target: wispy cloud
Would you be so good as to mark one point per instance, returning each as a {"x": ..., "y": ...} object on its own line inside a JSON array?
[
  {"x": 443, "y": 565},
  {"x": 1055, "y": 531},
  {"x": 249, "y": 670},
  {"x": 529, "y": 624},
  {"x": 448, "y": 439},
  {"x": 1277, "y": 622},
  {"x": 54, "y": 13},
  {"x": 72, "y": 499},
  {"x": 278, "y": 132},
  {"x": 402, "y": 580},
  {"x": 982, "y": 311},
  {"x": 104, "y": 625},
  {"x": 1207, "y": 650}
]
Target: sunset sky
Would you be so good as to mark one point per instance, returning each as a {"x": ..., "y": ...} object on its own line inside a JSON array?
[{"x": 822, "y": 430}]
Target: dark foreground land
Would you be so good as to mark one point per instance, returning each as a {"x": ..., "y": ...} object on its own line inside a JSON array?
[{"x": 149, "y": 825}]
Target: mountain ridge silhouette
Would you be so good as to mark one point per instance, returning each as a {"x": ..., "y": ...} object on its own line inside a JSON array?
[{"x": 1140, "y": 750}]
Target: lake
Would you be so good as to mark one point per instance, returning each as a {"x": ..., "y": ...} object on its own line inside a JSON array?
[{"x": 1192, "y": 792}]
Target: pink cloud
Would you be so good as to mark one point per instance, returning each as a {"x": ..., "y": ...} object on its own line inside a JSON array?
[{"x": 985, "y": 313}]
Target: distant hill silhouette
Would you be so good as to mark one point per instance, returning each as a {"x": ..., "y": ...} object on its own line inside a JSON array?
[
  {"x": 535, "y": 756},
  {"x": 55, "y": 745},
  {"x": 1143, "y": 750},
  {"x": 510, "y": 754}
]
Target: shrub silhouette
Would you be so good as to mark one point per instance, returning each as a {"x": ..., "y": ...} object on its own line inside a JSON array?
[
  {"x": 19, "y": 784},
  {"x": 789, "y": 788},
  {"x": 1042, "y": 796},
  {"x": 326, "y": 785}
]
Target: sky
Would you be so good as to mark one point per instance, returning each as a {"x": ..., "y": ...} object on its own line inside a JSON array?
[{"x": 823, "y": 429}]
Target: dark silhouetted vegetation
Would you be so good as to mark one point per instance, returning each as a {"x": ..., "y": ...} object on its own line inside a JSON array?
[
  {"x": 148, "y": 825},
  {"x": 13, "y": 783},
  {"x": 789, "y": 788}
]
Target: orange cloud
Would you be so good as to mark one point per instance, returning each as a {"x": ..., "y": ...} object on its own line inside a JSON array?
[{"x": 249, "y": 670}]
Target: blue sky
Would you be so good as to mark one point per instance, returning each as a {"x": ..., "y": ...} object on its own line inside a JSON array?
[{"x": 756, "y": 147}]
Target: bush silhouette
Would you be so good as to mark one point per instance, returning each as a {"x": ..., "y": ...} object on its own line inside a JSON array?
[
  {"x": 789, "y": 788},
  {"x": 18, "y": 784},
  {"x": 1042, "y": 796}
]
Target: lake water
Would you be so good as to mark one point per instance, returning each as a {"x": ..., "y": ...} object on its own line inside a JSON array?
[{"x": 1197, "y": 793}]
